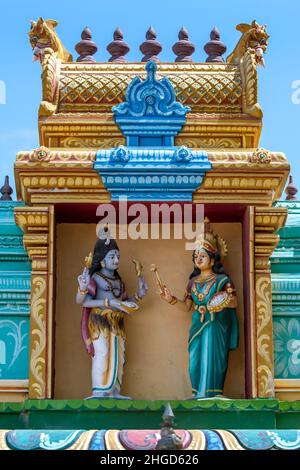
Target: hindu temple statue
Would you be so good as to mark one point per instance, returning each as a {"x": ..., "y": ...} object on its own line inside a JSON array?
[
  {"x": 105, "y": 303},
  {"x": 211, "y": 296}
]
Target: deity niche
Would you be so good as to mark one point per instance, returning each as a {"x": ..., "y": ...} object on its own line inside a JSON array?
[
  {"x": 211, "y": 296},
  {"x": 105, "y": 303}
]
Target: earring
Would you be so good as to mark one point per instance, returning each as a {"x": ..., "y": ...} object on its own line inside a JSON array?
[{"x": 102, "y": 264}]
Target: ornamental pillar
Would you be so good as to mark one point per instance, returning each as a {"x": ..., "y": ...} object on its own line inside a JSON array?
[
  {"x": 267, "y": 221},
  {"x": 37, "y": 224}
]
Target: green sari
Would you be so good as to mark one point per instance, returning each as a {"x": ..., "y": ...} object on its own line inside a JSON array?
[{"x": 211, "y": 338}]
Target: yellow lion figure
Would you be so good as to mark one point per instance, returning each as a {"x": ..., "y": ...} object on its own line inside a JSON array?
[
  {"x": 42, "y": 35},
  {"x": 254, "y": 39}
]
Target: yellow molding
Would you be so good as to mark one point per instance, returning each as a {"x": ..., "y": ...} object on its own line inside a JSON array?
[
  {"x": 89, "y": 130},
  {"x": 287, "y": 389},
  {"x": 7, "y": 386},
  {"x": 67, "y": 176},
  {"x": 287, "y": 385}
]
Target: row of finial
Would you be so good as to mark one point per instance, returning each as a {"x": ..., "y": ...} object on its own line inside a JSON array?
[
  {"x": 150, "y": 48},
  {"x": 6, "y": 190}
]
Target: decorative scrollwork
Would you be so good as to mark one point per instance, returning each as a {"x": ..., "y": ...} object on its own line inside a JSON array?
[
  {"x": 50, "y": 78},
  {"x": 38, "y": 337},
  {"x": 265, "y": 382},
  {"x": 264, "y": 305},
  {"x": 207, "y": 143},
  {"x": 249, "y": 80},
  {"x": 103, "y": 142}
]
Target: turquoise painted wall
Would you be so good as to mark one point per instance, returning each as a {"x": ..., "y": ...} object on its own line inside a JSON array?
[
  {"x": 14, "y": 297},
  {"x": 286, "y": 295}
]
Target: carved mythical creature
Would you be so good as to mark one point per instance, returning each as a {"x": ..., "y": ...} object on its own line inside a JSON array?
[
  {"x": 42, "y": 35},
  {"x": 254, "y": 39}
]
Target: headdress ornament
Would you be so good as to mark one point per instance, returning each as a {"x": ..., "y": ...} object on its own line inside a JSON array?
[
  {"x": 210, "y": 242},
  {"x": 103, "y": 245}
]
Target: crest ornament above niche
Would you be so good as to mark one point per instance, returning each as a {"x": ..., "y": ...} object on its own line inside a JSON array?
[
  {"x": 150, "y": 166},
  {"x": 150, "y": 115}
]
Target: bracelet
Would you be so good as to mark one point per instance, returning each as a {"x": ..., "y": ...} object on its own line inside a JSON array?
[
  {"x": 173, "y": 301},
  {"x": 187, "y": 296},
  {"x": 106, "y": 302},
  {"x": 82, "y": 292},
  {"x": 137, "y": 297}
]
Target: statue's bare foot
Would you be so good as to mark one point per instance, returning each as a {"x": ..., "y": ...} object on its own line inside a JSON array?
[
  {"x": 216, "y": 397},
  {"x": 118, "y": 396},
  {"x": 100, "y": 395}
]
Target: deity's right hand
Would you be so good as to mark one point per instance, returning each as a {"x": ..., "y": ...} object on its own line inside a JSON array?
[
  {"x": 165, "y": 294},
  {"x": 84, "y": 279}
]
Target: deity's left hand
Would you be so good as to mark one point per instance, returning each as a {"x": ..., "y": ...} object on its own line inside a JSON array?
[{"x": 142, "y": 287}]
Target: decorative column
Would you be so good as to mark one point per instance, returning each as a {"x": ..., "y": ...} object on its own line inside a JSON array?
[
  {"x": 286, "y": 300},
  {"x": 37, "y": 224},
  {"x": 266, "y": 223},
  {"x": 14, "y": 302}
]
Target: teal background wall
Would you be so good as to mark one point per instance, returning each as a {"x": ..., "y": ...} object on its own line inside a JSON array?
[
  {"x": 285, "y": 264},
  {"x": 14, "y": 297}
]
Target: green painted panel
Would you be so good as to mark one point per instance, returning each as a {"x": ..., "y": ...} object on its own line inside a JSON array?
[
  {"x": 287, "y": 347},
  {"x": 289, "y": 420},
  {"x": 138, "y": 414},
  {"x": 147, "y": 420}
]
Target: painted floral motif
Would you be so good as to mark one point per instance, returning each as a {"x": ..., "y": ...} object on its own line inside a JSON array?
[
  {"x": 249, "y": 439},
  {"x": 287, "y": 347},
  {"x": 12, "y": 343}
]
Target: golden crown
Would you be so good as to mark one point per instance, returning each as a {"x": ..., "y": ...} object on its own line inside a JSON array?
[{"x": 211, "y": 242}]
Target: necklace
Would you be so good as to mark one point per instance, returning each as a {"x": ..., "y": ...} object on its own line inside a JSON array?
[
  {"x": 117, "y": 291},
  {"x": 201, "y": 295},
  {"x": 107, "y": 277},
  {"x": 202, "y": 280}
]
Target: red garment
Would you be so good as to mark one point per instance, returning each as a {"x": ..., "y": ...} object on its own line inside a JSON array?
[{"x": 85, "y": 321}]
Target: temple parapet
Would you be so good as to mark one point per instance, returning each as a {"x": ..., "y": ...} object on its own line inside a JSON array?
[{"x": 78, "y": 98}]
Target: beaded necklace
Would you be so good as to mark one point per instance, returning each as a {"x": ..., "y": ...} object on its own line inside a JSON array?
[
  {"x": 117, "y": 291},
  {"x": 201, "y": 295}
]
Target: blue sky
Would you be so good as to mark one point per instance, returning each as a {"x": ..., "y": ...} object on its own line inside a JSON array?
[{"x": 18, "y": 117}]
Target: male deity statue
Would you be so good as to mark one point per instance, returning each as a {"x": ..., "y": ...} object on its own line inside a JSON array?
[{"x": 105, "y": 302}]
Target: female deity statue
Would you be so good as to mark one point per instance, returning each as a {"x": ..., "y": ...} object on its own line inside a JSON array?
[
  {"x": 105, "y": 302},
  {"x": 211, "y": 296}
]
